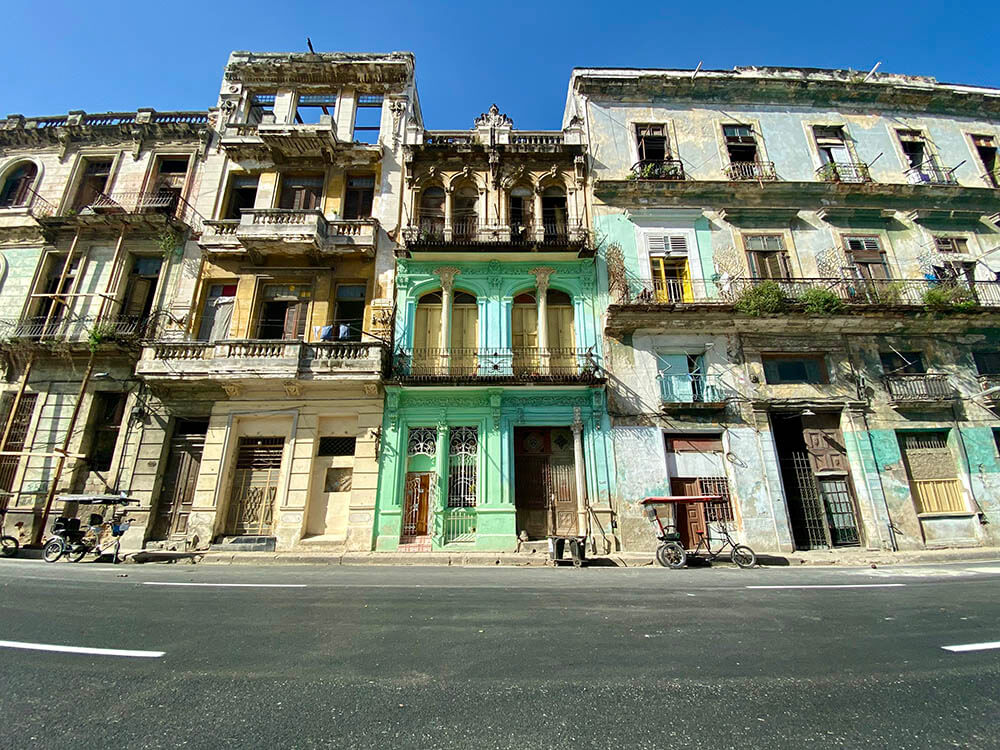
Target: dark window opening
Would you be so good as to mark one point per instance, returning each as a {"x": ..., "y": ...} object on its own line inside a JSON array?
[
  {"x": 951, "y": 244},
  {"x": 17, "y": 187},
  {"x": 311, "y": 108},
  {"x": 242, "y": 195},
  {"x": 260, "y": 105},
  {"x": 522, "y": 202},
  {"x": 554, "y": 213},
  {"x": 359, "y": 196},
  {"x": 283, "y": 312},
  {"x": 141, "y": 288},
  {"x": 108, "y": 410},
  {"x": 350, "y": 312},
  {"x": 432, "y": 212},
  {"x": 301, "y": 192},
  {"x": 779, "y": 369},
  {"x": 368, "y": 118},
  {"x": 867, "y": 257},
  {"x": 652, "y": 142},
  {"x": 464, "y": 213},
  {"x": 987, "y": 363},
  {"x": 902, "y": 363},
  {"x": 56, "y": 299},
  {"x": 914, "y": 147},
  {"x": 336, "y": 446},
  {"x": 986, "y": 148},
  {"x": 740, "y": 143},
  {"x": 95, "y": 180}
]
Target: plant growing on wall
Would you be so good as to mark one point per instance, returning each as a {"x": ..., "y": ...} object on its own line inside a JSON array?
[
  {"x": 169, "y": 242},
  {"x": 949, "y": 298},
  {"x": 892, "y": 293},
  {"x": 98, "y": 335},
  {"x": 821, "y": 302},
  {"x": 765, "y": 298}
]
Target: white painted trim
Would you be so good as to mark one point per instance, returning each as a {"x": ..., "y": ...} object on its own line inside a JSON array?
[{"x": 642, "y": 234}]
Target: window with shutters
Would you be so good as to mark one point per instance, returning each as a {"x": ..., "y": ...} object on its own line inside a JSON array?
[
  {"x": 301, "y": 192},
  {"x": 767, "y": 256},
  {"x": 141, "y": 288},
  {"x": 284, "y": 311},
  {"x": 741, "y": 143},
  {"x": 242, "y": 195},
  {"x": 359, "y": 196},
  {"x": 17, "y": 185},
  {"x": 794, "y": 368},
  {"x": 866, "y": 256},
  {"x": 668, "y": 267},
  {"x": 55, "y": 285},
  {"x": 951, "y": 244},
  {"x": 987, "y": 363},
  {"x": 368, "y": 118},
  {"x": 931, "y": 470},
  {"x": 902, "y": 363},
  {"x": 831, "y": 142},
  {"x": 651, "y": 141}
]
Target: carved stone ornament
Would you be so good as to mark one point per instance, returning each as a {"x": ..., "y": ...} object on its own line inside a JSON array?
[
  {"x": 447, "y": 274},
  {"x": 397, "y": 107},
  {"x": 577, "y": 425},
  {"x": 542, "y": 275},
  {"x": 233, "y": 390},
  {"x": 292, "y": 389},
  {"x": 370, "y": 389},
  {"x": 494, "y": 119}
]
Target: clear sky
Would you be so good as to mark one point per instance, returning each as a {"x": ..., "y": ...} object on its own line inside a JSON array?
[{"x": 106, "y": 56}]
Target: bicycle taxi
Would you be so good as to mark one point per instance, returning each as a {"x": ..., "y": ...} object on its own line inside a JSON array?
[
  {"x": 670, "y": 553},
  {"x": 100, "y": 536}
]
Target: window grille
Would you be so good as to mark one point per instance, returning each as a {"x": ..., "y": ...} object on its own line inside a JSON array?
[
  {"x": 721, "y": 510},
  {"x": 336, "y": 446},
  {"x": 924, "y": 440},
  {"x": 422, "y": 442},
  {"x": 462, "y": 475}
]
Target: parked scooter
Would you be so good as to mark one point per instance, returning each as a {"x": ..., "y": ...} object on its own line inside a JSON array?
[{"x": 70, "y": 540}]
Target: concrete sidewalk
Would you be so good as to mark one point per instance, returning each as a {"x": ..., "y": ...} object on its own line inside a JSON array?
[{"x": 839, "y": 557}]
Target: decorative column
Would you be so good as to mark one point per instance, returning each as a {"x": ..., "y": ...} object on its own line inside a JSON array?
[
  {"x": 447, "y": 274},
  {"x": 581, "y": 485},
  {"x": 436, "y": 513},
  {"x": 537, "y": 216},
  {"x": 541, "y": 289},
  {"x": 449, "y": 192}
]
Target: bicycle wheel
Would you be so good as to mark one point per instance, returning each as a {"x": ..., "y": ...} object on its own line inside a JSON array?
[
  {"x": 743, "y": 556},
  {"x": 671, "y": 555},
  {"x": 8, "y": 546},
  {"x": 54, "y": 550},
  {"x": 77, "y": 553}
]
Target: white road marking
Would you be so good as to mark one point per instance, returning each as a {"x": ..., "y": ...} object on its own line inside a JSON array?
[
  {"x": 82, "y": 650},
  {"x": 834, "y": 586},
  {"x": 230, "y": 585},
  {"x": 973, "y": 647}
]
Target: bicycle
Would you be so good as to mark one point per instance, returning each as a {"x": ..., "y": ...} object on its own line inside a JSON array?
[
  {"x": 741, "y": 555},
  {"x": 8, "y": 544}
]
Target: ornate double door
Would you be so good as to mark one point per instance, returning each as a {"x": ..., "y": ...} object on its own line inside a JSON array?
[{"x": 545, "y": 481}]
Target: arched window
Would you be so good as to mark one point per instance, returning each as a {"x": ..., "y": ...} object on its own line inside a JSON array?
[
  {"x": 522, "y": 203},
  {"x": 464, "y": 218},
  {"x": 459, "y": 358},
  {"x": 554, "y": 214},
  {"x": 431, "y": 215},
  {"x": 17, "y": 185},
  {"x": 530, "y": 357}
]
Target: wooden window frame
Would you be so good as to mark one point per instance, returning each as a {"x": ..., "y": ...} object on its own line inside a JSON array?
[{"x": 773, "y": 358}]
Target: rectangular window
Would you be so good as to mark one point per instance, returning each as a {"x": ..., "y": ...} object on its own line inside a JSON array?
[
  {"x": 16, "y": 439},
  {"x": 684, "y": 443},
  {"x": 914, "y": 146},
  {"x": 141, "y": 287},
  {"x": 788, "y": 368},
  {"x": 349, "y": 314},
  {"x": 866, "y": 256},
  {"x": 368, "y": 118},
  {"x": 652, "y": 142},
  {"x": 359, "y": 196},
  {"x": 106, "y": 419},
  {"x": 831, "y": 143},
  {"x": 930, "y": 468},
  {"x": 54, "y": 286},
  {"x": 242, "y": 195},
  {"x": 902, "y": 363},
  {"x": 741, "y": 143},
  {"x": 768, "y": 259},
  {"x": 301, "y": 192},
  {"x": 171, "y": 173},
  {"x": 94, "y": 183},
  {"x": 311, "y": 107},
  {"x": 217, "y": 313},
  {"x": 987, "y": 363},
  {"x": 986, "y": 149},
  {"x": 260, "y": 105},
  {"x": 284, "y": 311},
  {"x": 951, "y": 244},
  {"x": 336, "y": 446}
]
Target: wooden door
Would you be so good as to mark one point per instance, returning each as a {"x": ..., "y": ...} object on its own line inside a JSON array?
[
  {"x": 690, "y": 517},
  {"x": 562, "y": 489},
  {"x": 930, "y": 467},
  {"x": 562, "y": 356},
  {"x": 464, "y": 339},
  {"x": 825, "y": 443},
  {"x": 416, "y": 502},
  {"x": 179, "y": 482},
  {"x": 524, "y": 337}
]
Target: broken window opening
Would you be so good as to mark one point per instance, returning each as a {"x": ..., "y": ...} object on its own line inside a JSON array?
[
  {"x": 242, "y": 195},
  {"x": 311, "y": 108},
  {"x": 94, "y": 183},
  {"x": 987, "y": 363},
  {"x": 831, "y": 142},
  {"x": 261, "y": 105},
  {"x": 986, "y": 149},
  {"x": 108, "y": 411},
  {"x": 359, "y": 196},
  {"x": 368, "y": 118},
  {"x": 741, "y": 143},
  {"x": 902, "y": 363},
  {"x": 652, "y": 142},
  {"x": 141, "y": 288},
  {"x": 788, "y": 368},
  {"x": 17, "y": 187},
  {"x": 951, "y": 244}
]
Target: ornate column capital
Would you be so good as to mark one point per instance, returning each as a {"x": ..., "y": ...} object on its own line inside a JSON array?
[
  {"x": 577, "y": 426},
  {"x": 542, "y": 275},
  {"x": 447, "y": 274}
]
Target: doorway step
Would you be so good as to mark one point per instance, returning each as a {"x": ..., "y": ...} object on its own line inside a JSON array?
[
  {"x": 245, "y": 544},
  {"x": 414, "y": 544}
]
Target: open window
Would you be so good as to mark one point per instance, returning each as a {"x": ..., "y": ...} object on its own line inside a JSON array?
[
  {"x": 349, "y": 315},
  {"x": 767, "y": 256},
  {"x": 902, "y": 363},
  {"x": 951, "y": 244},
  {"x": 651, "y": 141},
  {"x": 107, "y": 413},
  {"x": 301, "y": 192},
  {"x": 986, "y": 150},
  {"x": 217, "y": 312},
  {"x": 284, "y": 312},
  {"x": 242, "y": 195},
  {"x": 866, "y": 257},
  {"x": 431, "y": 215},
  {"x": 554, "y": 218},
  {"x": 831, "y": 142},
  {"x": 94, "y": 183},
  {"x": 16, "y": 190},
  {"x": 368, "y": 118},
  {"x": 741, "y": 143},
  {"x": 310, "y": 108},
  {"x": 465, "y": 213},
  {"x": 261, "y": 105},
  {"x": 51, "y": 295},
  {"x": 987, "y": 362},
  {"x": 522, "y": 201},
  {"x": 668, "y": 267},
  {"x": 920, "y": 163},
  {"x": 359, "y": 196},
  {"x": 140, "y": 290},
  {"x": 795, "y": 368}
]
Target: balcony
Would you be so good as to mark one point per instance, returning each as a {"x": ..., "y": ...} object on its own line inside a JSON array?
[
  {"x": 252, "y": 359},
  {"x": 533, "y": 365},
  {"x": 289, "y": 232},
  {"x": 151, "y": 209},
  {"x": 432, "y": 234},
  {"x": 683, "y": 391},
  {"x": 930, "y": 174},
  {"x": 919, "y": 390},
  {"x": 123, "y": 330},
  {"x": 658, "y": 169},
  {"x": 854, "y": 172},
  {"x": 751, "y": 171},
  {"x": 270, "y": 140}
]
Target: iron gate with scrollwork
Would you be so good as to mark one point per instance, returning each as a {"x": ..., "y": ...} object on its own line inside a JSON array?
[{"x": 255, "y": 486}]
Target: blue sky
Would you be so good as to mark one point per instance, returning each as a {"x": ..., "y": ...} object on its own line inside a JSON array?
[{"x": 170, "y": 55}]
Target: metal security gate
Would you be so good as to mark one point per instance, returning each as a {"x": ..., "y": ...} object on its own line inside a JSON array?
[
  {"x": 255, "y": 486},
  {"x": 415, "y": 504},
  {"x": 836, "y": 496},
  {"x": 545, "y": 482},
  {"x": 16, "y": 439},
  {"x": 822, "y": 509},
  {"x": 463, "y": 460}
]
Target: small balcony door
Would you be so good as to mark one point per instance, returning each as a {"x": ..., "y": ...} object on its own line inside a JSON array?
[
  {"x": 671, "y": 279},
  {"x": 464, "y": 334},
  {"x": 524, "y": 333},
  {"x": 217, "y": 313},
  {"x": 283, "y": 312},
  {"x": 301, "y": 192}
]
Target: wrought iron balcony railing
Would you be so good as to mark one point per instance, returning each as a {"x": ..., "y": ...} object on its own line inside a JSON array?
[
  {"x": 433, "y": 230},
  {"x": 67, "y": 329},
  {"x": 690, "y": 388},
  {"x": 930, "y": 174},
  {"x": 918, "y": 388},
  {"x": 751, "y": 171},
  {"x": 844, "y": 172},
  {"x": 658, "y": 169},
  {"x": 528, "y": 364}
]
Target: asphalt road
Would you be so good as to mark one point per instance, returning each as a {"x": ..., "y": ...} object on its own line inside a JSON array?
[{"x": 390, "y": 657}]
